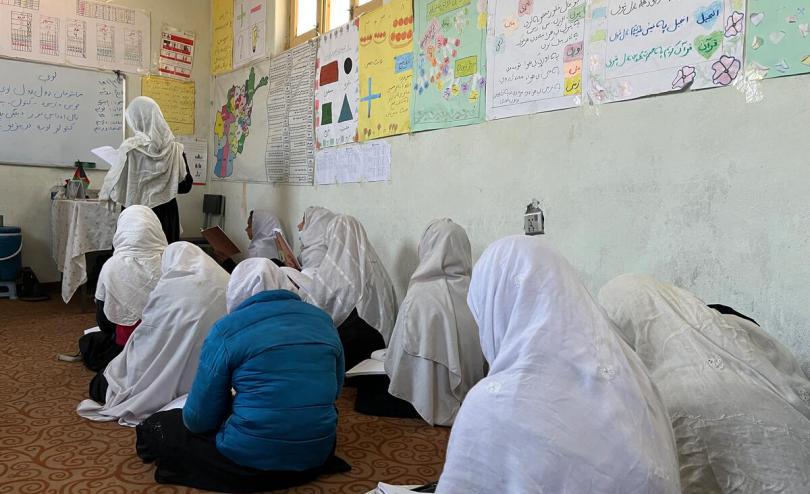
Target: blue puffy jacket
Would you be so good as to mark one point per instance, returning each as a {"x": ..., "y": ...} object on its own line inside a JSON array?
[{"x": 285, "y": 361}]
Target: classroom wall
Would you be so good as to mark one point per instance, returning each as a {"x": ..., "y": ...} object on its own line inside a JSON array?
[
  {"x": 700, "y": 189},
  {"x": 24, "y": 190}
]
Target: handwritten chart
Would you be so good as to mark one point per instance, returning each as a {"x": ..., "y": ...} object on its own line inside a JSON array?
[
  {"x": 337, "y": 90},
  {"x": 52, "y": 115},
  {"x": 176, "y": 101},
  {"x": 221, "y": 36},
  {"x": 449, "y": 77},
  {"x": 249, "y": 31},
  {"x": 638, "y": 48},
  {"x": 534, "y": 56},
  {"x": 778, "y": 37},
  {"x": 386, "y": 63},
  {"x": 290, "y": 157}
]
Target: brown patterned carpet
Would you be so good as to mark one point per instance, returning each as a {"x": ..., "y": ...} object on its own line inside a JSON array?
[{"x": 45, "y": 447}]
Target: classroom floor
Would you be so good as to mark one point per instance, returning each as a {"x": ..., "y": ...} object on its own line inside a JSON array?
[{"x": 45, "y": 447}]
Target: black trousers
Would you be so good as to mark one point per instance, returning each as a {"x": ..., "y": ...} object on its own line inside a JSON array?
[
  {"x": 185, "y": 458},
  {"x": 374, "y": 399},
  {"x": 359, "y": 339}
]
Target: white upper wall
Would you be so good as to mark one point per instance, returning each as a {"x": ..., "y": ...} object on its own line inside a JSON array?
[{"x": 24, "y": 191}]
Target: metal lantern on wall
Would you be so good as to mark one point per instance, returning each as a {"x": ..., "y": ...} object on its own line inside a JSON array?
[{"x": 533, "y": 220}]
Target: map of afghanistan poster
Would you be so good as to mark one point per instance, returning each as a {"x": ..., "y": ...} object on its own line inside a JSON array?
[
  {"x": 386, "y": 63},
  {"x": 240, "y": 123},
  {"x": 337, "y": 90},
  {"x": 778, "y": 37},
  {"x": 449, "y": 74}
]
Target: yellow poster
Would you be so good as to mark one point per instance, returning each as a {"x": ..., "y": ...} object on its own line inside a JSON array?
[
  {"x": 176, "y": 101},
  {"x": 222, "y": 32},
  {"x": 386, "y": 63}
]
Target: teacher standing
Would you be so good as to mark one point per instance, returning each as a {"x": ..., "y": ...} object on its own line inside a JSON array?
[{"x": 151, "y": 168}]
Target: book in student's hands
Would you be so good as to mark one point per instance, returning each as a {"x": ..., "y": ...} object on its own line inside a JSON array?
[
  {"x": 284, "y": 250},
  {"x": 219, "y": 241}
]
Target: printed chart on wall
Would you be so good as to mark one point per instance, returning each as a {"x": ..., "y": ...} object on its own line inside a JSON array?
[
  {"x": 642, "y": 48},
  {"x": 534, "y": 56},
  {"x": 176, "y": 53},
  {"x": 249, "y": 31},
  {"x": 386, "y": 63},
  {"x": 290, "y": 157},
  {"x": 81, "y": 32},
  {"x": 778, "y": 37},
  {"x": 239, "y": 138},
  {"x": 337, "y": 90},
  {"x": 449, "y": 74}
]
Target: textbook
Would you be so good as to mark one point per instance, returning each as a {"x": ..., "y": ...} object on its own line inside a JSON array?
[
  {"x": 368, "y": 367},
  {"x": 219, "y": 241},
  {"x": 284, "y": 251}
]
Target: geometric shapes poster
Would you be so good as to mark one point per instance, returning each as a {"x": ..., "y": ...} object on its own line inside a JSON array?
[{"x": 337, "y": 91}]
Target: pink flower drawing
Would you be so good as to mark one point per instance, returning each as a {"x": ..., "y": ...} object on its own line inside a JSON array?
[
  {"x": 725, "y": 70},
  {"x": 685, "y": 77},
  {"x": 735, "y": 24}
]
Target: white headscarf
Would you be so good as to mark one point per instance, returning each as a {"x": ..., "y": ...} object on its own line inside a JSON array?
[
  {"x": 253, "y": 276},
  {"x": 313, "y": 236},
  {"x": 434, "y": 357},
  {"x": 150, "y": 164},
  {"x": 566, "y": 407},
  {"x": 160, "y": 359},
  {"x": 739, "y": 403},
  {"x": 263, "y": 244},
  {"x": 128, "y": 277},
  {"x": 351, "y": 276}
]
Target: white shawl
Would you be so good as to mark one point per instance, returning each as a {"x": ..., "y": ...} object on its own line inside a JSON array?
[
  {"x": 351, "y": 276},
  {"x": 739, "y": 403},
  {"x": 263, "y": 243},
  {"x": 313, "y": 236},
  {"x": 128, "y": 277},
  {"x": 434, "y": 357},
  {"x": 150, "y": 164},
  {"x": 567, "y": 407},
  {"x": 253, "y": 276},
  {"x": 160, "y": 359}
]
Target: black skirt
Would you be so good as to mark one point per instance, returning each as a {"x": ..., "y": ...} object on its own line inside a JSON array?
[
  {"x": 359, "y": 339},
  {"x": 193, "y": 460}
]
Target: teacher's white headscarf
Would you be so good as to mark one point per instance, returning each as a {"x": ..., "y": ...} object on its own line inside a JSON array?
[
  {"x": 253, "y": 276},
  {"x": 150, "y": 163},
  {"x": 263, "y": 243},
  {"x": 567, "y": 407},
  {"x": 313, "y": 236},
  {"x": 128, "y": 277},
  {"x": 350, "y": 276},
  {"x": 160, "y": 359},
  {"x": 434, "y": 357},
  {"x": 738, "y": 400}
]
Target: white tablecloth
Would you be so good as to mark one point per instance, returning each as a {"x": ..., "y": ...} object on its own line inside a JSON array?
[{"x": 78, "y": 227}]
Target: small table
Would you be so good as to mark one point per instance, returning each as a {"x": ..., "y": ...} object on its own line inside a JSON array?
[{"x": 79, "y": 227}]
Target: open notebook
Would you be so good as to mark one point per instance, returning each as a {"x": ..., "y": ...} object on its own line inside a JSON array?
[
  {"x": 383, "y": 488},
  {"x": 373, "y": 366}
]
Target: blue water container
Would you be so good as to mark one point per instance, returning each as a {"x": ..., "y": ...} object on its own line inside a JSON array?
[{"x": 10, "y": 252}]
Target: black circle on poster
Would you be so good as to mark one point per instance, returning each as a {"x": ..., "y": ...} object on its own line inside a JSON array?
[{"x": 347, "y": 65}]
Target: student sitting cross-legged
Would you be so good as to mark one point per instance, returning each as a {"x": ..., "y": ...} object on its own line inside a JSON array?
[{"x": 261, "y": 414}]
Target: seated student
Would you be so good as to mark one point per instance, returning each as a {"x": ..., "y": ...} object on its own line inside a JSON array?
[
  {"x": 261, "y": 226},
  {"x": 434, "y": 356},
  {"x": 159, "y": 360},
  {"x": 738, "y": 400},
  {"x": 124, "y": 285},
  {"x": 352, "y": 286},
  {"x": 277, "y": 428},
  {"x": 312, "y": 236},
  {"x": 567, "y": 406}
]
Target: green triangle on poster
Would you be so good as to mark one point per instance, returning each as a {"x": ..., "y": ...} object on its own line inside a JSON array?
[{"x": 345, "y": 110}]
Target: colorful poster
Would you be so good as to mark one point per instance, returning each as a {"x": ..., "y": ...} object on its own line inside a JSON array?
[
  {"x": 221, "y": 36},
  {"x": 638, "y": 48},
  {"x": 239, "y": 126},
  {"x": 534, "y": 56},
  {"x": 778, "y": 37},
  {"x": 176, "y": 53},
  {"x": 337, "y": 90},
  {"x": 386, "y": 63},
  {"x": 176, "y": 101},
  {"x": 449, "y": 75},
  {"x": 249, "y": 31}
]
